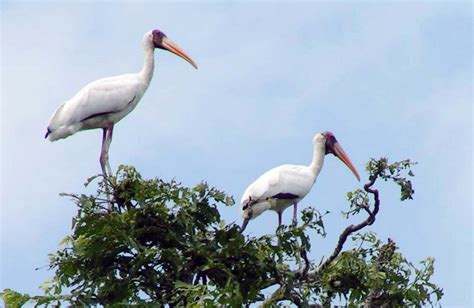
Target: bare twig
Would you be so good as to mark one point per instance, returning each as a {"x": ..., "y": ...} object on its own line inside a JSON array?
[
  {"x": 306, "y": 264},
  {"x": 367, "y": 209},
  {"x": 353, "y": 228}
]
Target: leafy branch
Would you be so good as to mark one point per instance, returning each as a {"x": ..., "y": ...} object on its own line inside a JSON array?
[
  {"x": 359, "y": 199},
  {"x": 165, "y": 244}
]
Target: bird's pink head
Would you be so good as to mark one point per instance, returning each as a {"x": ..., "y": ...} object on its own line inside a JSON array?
[
  {"x": 333, "y": 147},
  {"x": 160, "y": 40},
  {"x": 330, "y": 141}
]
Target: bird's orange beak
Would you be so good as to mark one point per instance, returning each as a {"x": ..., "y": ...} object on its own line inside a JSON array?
[
  {"x": 339, "y": 152},
  {"x": 174, "y": 48}
]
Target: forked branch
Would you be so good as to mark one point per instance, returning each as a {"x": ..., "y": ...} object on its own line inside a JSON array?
[{"x": 354, "y": 228}]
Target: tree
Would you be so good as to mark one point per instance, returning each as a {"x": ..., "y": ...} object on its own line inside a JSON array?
[{"x": 166, "y": 244}]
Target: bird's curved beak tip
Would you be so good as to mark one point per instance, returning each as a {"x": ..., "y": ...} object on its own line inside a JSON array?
[
  {"x": 174, "y": 48},
  {"x": 339, "y": 152}
]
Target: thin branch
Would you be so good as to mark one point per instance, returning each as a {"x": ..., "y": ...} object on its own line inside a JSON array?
[
  {"x": 353, "y": 228},
  {"x": 306, "y": 264},
  {"x": 366, "y": 208}
]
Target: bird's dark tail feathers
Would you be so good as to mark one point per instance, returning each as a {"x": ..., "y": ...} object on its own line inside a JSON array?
[{"x": 47, "y": 133}]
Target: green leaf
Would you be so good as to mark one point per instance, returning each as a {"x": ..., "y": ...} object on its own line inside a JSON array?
[{"x": 14, "y": 299}]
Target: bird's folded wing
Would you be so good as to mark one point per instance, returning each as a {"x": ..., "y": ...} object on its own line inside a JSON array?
[
  {"x": 285, "y": 181},
  {"x": 262, "y": 187},
  {"x": 103, "y": 96}
]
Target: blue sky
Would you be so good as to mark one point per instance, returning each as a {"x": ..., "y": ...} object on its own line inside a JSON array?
[{"x": 389, "y": 79}]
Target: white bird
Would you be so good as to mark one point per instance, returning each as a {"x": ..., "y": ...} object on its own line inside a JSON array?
[
  {"x": 104, "y": 102},
  {"x": 285, "y": 185}
]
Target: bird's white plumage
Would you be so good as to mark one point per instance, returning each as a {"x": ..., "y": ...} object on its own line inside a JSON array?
[
  {"x": 286, "y": 179},
  {"x": 289, "y": 179},
  {"x": 97, "y": 105},
  {"x": 286, "y": 185},
  {"x": 294, "y": 180},
  {"x": 102, "y": 103}
]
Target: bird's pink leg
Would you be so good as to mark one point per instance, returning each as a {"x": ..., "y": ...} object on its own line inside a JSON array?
[
  {"x": 110, "y": 130},
  {"x": 103, "y": 152},
  {"x": 295, "y": 212},
  {"x": 279, "y": 224},
  {"x": 104, "y": 159},
  {"x": 244, "y": 224}
]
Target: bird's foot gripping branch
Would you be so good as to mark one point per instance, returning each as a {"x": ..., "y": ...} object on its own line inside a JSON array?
[{"x": 166, "y": 244}]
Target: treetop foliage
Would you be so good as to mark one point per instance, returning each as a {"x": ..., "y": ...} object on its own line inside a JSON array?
[{"x": 166, "y": 244}]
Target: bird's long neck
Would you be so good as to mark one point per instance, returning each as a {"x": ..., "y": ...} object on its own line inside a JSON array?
[
  {"x": 319, "y": 151},
  {"x": 148, "y": 66}
]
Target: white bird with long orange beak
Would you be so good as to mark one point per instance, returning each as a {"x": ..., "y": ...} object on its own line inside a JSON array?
[
  {"x": 106, "y": 101},
  {"x": 287, "y": 185}
]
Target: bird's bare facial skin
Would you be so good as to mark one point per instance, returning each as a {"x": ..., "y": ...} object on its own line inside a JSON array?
[
  {"x": 330, "y": 142},
  {"x": 158, "y": 38}
]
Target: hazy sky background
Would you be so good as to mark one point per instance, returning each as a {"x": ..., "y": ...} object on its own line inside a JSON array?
[{"x": 389, "y": 79}]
